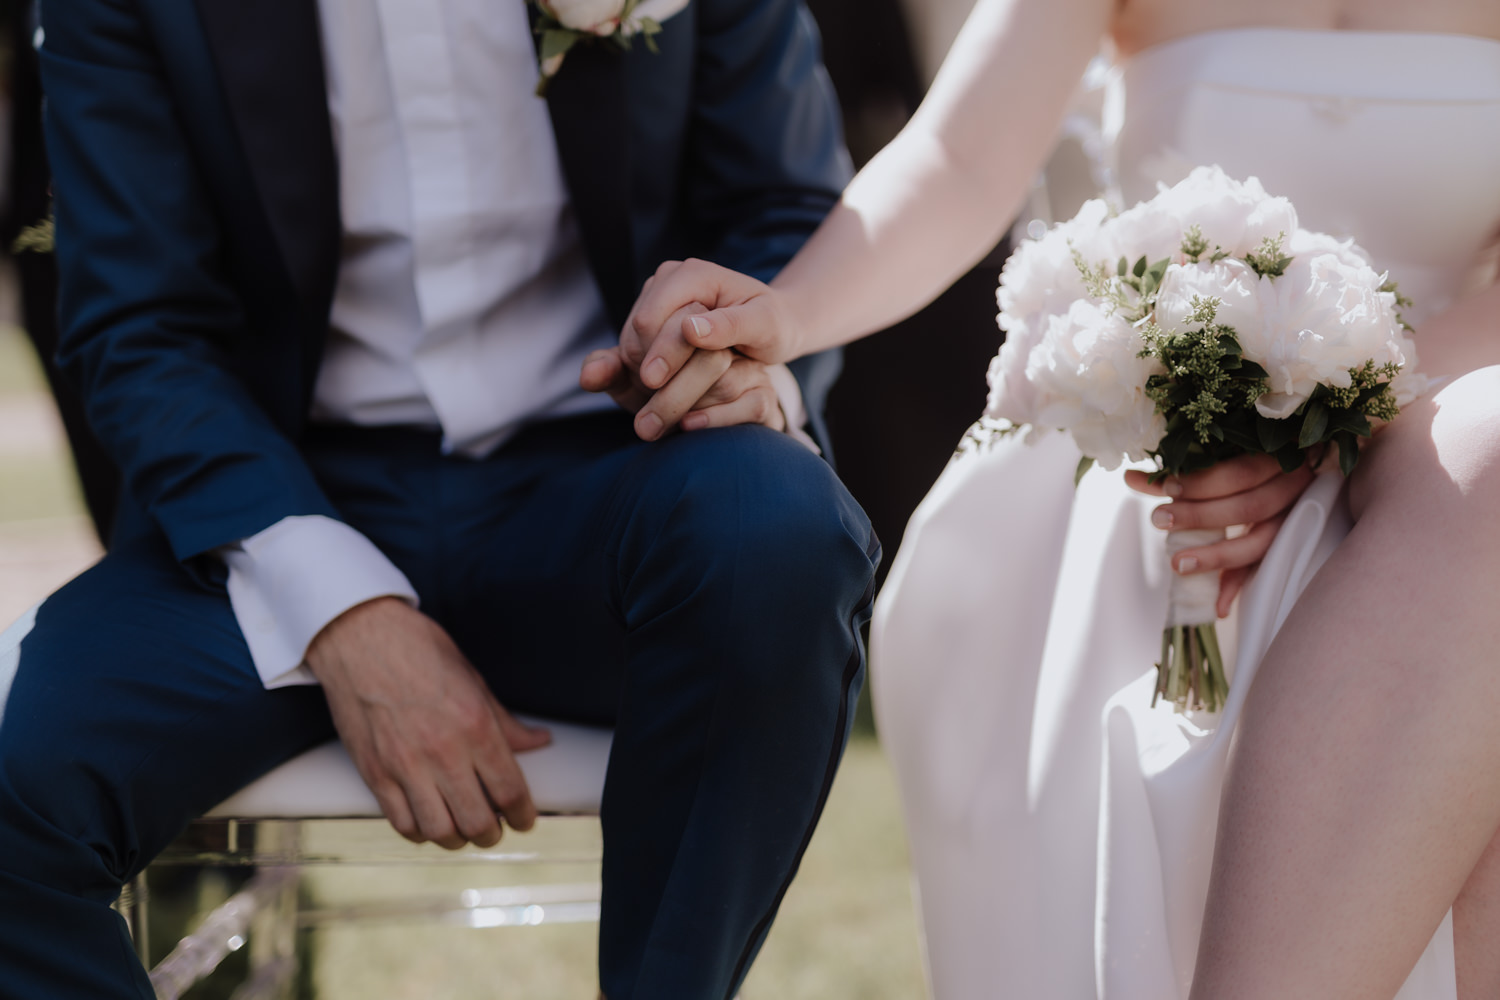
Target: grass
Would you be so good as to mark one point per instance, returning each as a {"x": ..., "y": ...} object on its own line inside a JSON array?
[
  {"x": 19, "y": 370},
  {"x": 33, "y": 485},
  {"x": 38, "y": 486},
  {"x": 846, "y": 930}
]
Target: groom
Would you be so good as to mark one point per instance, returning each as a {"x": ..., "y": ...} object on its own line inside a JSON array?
[{"x": 328, "y": 273}]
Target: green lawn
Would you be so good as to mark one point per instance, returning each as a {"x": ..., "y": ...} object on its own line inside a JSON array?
[
  {"x": 19, "y": 371},
  {"x": 846, "y": 930},
  {"x": 33, "y": 484},
  {"x": 37, "y": 486}
]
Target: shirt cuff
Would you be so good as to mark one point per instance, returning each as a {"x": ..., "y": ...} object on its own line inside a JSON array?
[
  {"x": 789, "y": 392},
  {"x": 288, "y": 582}
]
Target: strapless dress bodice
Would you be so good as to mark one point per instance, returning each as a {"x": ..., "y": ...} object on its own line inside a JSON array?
[{"x": 1390, "y": 138}]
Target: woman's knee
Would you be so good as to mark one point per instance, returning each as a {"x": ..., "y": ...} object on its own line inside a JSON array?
[{"x": 1442, "y": 452}]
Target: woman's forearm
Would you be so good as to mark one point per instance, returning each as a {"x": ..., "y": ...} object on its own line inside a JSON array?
[{"x": 940, "y": 196}]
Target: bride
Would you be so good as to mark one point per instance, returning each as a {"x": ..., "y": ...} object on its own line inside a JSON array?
[{"x": 1069, "y": 840}]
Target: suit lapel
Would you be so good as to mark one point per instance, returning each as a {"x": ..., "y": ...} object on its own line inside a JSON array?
[
  {"x": 588, "y": 101},
  {"x": 270, "y": 61}
]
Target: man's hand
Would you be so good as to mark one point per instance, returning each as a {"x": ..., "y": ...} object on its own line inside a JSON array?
[
  {"x": 695, "y": 305},
  {"x": 424, "y": 730},
  {"x": 1250, "y": 490},
  {"x": 714, "y": 389}
]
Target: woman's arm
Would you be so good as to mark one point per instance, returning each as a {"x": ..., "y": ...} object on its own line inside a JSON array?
[{"x": 923, "y": 212}]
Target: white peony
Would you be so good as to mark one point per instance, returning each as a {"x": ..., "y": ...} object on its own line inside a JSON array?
[
  {"x": 1090, "y": 381},
  {"x": 1231, "y": 281},
  {"x": 1304, "y": 243},
  {"x": 1011, "y": 397},
  {"x": 1039, "y": 281},
  {"x": 1411, "y": 384},
  {"x": 1236, "y": 216},
  {"x": 1308, "y": 327},
  {"x": 1041, "y": 278},
  {"x": 1142, "y": 231},
  {"x": 597, "y": 17},
  {"x": 604, "y": 17},
  {"x": 1323, "y": 317}
]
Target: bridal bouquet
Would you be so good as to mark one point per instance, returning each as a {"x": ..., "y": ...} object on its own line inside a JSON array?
[{"x": 1196, "y": 327}]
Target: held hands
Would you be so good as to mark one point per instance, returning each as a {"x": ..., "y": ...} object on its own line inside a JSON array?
[
  {"x": 423, "y": 728},
  {"x": 1250, "y": 490},
  {"x": 695, "y": 305},
  {"x": 674, "y": 365}
]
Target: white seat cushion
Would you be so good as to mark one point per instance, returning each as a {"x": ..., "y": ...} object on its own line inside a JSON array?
[
  {"x": 566, "y": 777},
  {"x": 10, "y": 653}
]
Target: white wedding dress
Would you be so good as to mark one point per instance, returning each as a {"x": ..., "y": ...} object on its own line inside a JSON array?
[{"x": 1062, "y": 829}]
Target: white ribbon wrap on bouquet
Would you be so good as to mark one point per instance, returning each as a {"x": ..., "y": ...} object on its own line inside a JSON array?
[{"x": 1192, "y": 600}]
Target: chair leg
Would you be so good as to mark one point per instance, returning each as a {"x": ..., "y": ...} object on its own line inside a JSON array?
[
  {"x": 225, "y": 930},
  {"x": 273, "y": 944},
  {"x": 134, "y": 906}
]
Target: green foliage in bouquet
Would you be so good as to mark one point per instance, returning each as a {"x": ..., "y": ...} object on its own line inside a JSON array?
[{"x": 1208, "y": 394}]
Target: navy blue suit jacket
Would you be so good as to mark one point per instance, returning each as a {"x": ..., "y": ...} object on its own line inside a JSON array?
[{"x": 198, "y": 217}]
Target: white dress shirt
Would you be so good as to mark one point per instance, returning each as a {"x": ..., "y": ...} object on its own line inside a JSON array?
[{"x": 464, "y": 302}]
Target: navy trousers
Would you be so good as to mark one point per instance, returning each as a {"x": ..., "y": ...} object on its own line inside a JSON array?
[{"x": 704, "y": 595}]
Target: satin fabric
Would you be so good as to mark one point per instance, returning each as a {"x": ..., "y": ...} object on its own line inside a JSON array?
[{"x": 1061, "y": 828}]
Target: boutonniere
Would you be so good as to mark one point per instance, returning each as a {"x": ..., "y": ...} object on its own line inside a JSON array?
[{"x": 562, "y": 24}]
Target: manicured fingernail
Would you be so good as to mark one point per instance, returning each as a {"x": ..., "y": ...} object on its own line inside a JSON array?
[
  {"x": 700, "y": 326},
  {"x": 650, "y": 427},
  {"x": 1187, "y": 564},
  {"x": 656, "y": 372},
  {"x": 695, "y": 421},
  {"x": 1171, "y": 487},
  {"x": 1161, "y": 517}
]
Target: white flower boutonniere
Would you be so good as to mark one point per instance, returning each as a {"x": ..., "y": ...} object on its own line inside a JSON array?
[{"x": 562, "y": 24}]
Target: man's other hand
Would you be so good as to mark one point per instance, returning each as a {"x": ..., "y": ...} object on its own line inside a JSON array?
[
  {"x": 423, "y": 728},
  {"x": 713, "y": 389}
]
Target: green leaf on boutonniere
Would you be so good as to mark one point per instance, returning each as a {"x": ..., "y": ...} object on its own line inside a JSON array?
[
  {"x": 558, "y": 42},
  {"x": 40, "y": 238},
  {"x": 649, "y": 30}
]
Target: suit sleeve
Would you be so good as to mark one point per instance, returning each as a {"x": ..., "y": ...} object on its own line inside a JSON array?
[
  {"x": 150, "y": 324},
  {"x": 767, "y": 144}
]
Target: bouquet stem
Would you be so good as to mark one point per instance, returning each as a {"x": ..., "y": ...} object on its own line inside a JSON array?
[{"x": 1190, "y": 673}]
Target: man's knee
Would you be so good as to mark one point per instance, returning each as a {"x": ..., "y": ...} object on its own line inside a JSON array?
[
  {"x": 754, "y": 501},
  {"x": 54, "y": 804}
]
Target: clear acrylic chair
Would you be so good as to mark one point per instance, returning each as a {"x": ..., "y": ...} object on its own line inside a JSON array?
[{"x": 315, "y": 811}]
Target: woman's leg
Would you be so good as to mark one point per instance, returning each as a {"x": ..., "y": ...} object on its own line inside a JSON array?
[
  {"x": 1365, "y": 785},
  {"x": 1476, "y": 928}
]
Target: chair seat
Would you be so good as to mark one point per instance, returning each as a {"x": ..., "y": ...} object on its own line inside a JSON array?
[{"x": 566, "y": 778}]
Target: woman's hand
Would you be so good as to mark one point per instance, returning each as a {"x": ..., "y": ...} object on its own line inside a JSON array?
[
  {"x": 714, "y": 389},
  {"x": 1250, "y": 490},
  {"x": 694, "y": 305}
]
